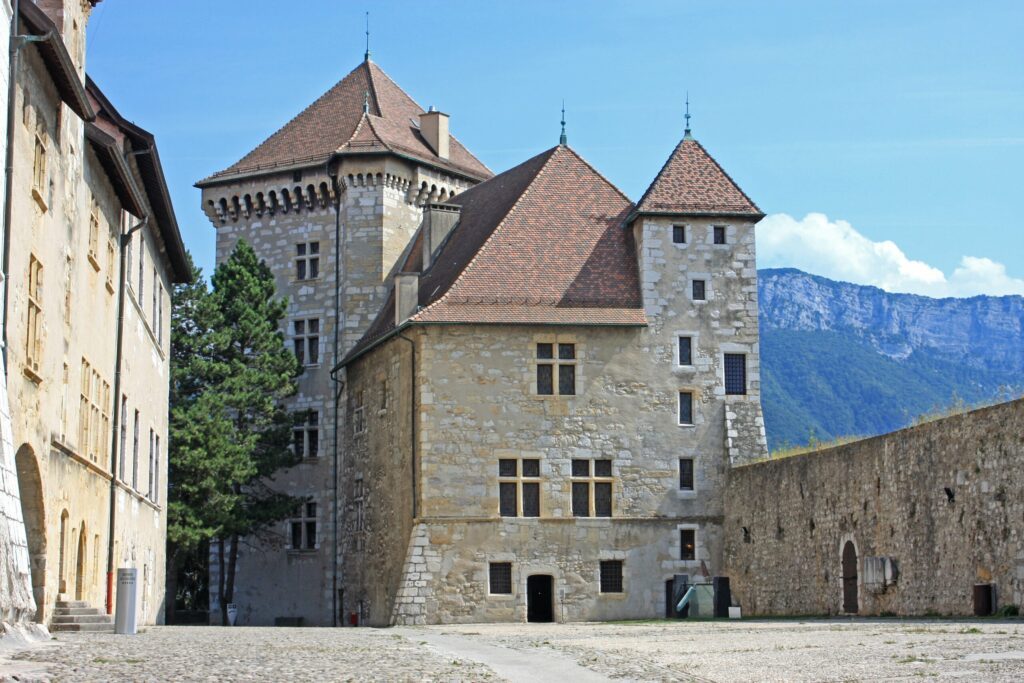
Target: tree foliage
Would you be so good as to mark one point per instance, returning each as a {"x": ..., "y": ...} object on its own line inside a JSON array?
[{"x": 230, "y": 431}]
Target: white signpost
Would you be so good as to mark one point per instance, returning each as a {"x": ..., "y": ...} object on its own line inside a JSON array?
[{"x": 124, "y": 614}]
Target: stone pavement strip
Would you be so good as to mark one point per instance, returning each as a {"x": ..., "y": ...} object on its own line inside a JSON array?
[{"x": 513, "y": 665}]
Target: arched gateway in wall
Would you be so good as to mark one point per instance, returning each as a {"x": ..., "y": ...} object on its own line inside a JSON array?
[
  {"x": 30, "y": 485},
  {"x": 849, "y": 578}
]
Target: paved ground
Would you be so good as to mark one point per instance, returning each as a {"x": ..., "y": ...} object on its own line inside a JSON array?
[{"x": 784, "y": 650}]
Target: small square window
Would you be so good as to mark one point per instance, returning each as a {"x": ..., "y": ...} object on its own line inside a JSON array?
[
  {"x": 687, "y": 544},
  {"x": 531, "y": 468},
  {"x": 566, "y": 351},
  {"x": 719, "y": 234},
  {"x": 698, "y": 290},
  {"x": 685, "y": 474},
  {"x": 602, "y": 468},
  {"x": 679, "y": 234},
  {"x": 686, "y": 351},
  {"x": 581, "y": 468},
  {"x": 685, "y": 408},
  {"x": 545, "y": 351},
  {"x": 507, "y": 467},
  {"x": 735, "y": 373},
  {"x": 501, "y": 578},
  {"x": 611, "y": 576}
]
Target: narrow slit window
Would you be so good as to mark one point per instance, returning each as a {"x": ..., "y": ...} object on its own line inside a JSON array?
[
  {"x": 685, "y": 408},
  {"x": 685, "y": 474},
  {"x": 699, "y": 293},
  {"x": 686, "y": 350}
]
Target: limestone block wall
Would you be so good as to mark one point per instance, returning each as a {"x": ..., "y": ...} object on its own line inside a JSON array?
[{"x": 940, "y": 500}]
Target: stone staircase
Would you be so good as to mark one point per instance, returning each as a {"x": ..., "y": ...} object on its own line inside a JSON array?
[{"x": 76, "y": 615}]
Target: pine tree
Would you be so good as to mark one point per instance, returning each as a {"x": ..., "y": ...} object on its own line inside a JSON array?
[{"x": 229, "y": 427}]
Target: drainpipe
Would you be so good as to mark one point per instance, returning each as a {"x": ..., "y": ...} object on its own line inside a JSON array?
[
  {"x": 338, "y": 320},
  {"x": 12, "y": 90},
  {"x": 412, "y": 418},
  {"x": 125, "y": 241}
]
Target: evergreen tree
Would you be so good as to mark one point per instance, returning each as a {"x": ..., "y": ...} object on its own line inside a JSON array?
[{"x": 230, "y": 431}]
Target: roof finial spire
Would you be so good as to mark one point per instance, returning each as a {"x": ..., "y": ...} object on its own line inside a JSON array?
[
  {"x": 367, "y": 55},
  {"x": 562, "y": 138},
  {"x": 686, "y": 133},
  {"x": 366, "y": 102}
]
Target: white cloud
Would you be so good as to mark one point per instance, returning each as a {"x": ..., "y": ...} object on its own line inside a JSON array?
[{"x": 836, "y": 250}]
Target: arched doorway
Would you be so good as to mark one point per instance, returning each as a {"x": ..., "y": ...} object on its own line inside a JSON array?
[
  {"x": 62, "y": 553},
  {"x": 30, "y": 487},
  {"x": 850, "y": 578},
  {"x": 80, "y": 562}
]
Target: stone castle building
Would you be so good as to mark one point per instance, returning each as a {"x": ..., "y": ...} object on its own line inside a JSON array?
[
  {"x": 522, "y": 392},
  {"x": 92, "y": 250}
]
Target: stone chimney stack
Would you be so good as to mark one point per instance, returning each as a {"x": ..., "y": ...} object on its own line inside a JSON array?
[
  {"x": 407, "y": 296},
  {"x": 434, "y": 128},
  {"x": 438, "y": 221}
]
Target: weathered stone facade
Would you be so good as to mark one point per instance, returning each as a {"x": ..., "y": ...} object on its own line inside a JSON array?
[
  {"x": 938, "y": 503},
  {"x": 69, "y": 208}
]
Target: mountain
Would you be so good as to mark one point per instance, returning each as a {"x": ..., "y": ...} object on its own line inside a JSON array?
[{"x": 839, "y": 359}]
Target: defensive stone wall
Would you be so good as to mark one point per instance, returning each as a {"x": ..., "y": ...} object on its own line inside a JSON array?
[{"x": 930, "y": 511}]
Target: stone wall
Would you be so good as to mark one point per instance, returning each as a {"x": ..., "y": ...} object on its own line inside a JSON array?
[{"x": 941, "y": 501}]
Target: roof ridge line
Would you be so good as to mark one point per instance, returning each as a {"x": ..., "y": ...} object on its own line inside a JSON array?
[
  {"x": 726, "y": 174},
  {"x": 373, "y": 87},
  {"x": 369, "y": 122},
  {"x": 490, "y": 238},
  {"x": 601, "y": 176}
]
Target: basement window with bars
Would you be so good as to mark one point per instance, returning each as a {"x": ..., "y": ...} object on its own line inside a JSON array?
[
  {"x": 591, "y": 488},
  {"x": 548, "y": 367},
  {"x": 611, "y": 576},
  {"x": 303, "y": 529},
  {"x": 519, "y": 487},
  {"x": 307, "y": 260},
  {"x": 735, "y": 373},
  {"x": 500, "y": 578}
]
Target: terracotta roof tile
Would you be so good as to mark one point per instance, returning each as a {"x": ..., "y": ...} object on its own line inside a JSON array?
[
  {"x": 692, "y": 182},
  {"x": 542, "y": 243},
  {"x": 333, "y": 124}
]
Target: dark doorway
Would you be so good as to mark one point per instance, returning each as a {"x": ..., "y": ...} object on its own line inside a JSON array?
[
  {"x": 670, "y": 602},
  {"x": 540, "y": 598},
  {"x": 80, "y": 564},
  {"x": 849, "y": 578},
  {"x": 31, "y": 487}
]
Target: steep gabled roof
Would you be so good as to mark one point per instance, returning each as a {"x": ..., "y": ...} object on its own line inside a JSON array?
[
  {"x": 336, "y": 123},
  {"x": 542, "y": 243},
  {"x": 692, "y": 183}
]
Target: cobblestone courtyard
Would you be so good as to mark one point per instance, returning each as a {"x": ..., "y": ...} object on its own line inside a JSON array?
[{"x": 812, "y": 650}]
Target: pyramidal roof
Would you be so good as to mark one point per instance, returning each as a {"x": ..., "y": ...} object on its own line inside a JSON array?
[
  {"x": 692, "y": 183},
  {"x": 541, "y": 243},
  {"x": 336, "y": 123}
]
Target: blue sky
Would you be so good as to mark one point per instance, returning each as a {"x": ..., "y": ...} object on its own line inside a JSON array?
[{"x": 883, "y": 138}]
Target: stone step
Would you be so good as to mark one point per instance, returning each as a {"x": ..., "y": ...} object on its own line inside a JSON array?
[
  {"x": 72, "y": 603},
  {"x": 91, "y": 628},
  {"x": 82, "y": 619},
  {"x": 74, "y": 611}
]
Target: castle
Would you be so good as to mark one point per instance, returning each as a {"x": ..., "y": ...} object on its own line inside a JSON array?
[{"x": 521, "y": 393}]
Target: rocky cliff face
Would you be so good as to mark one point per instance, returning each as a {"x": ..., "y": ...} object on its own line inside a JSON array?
[{"x": 842, "y": 359}]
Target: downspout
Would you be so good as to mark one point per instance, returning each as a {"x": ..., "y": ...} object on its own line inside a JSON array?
[
  {"x": 336, "y": 393},
  {"x": 412, "y": 421},
  {"x": 125, "y": 241}
]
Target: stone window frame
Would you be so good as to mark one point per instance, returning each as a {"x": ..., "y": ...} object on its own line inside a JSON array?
[
  {"x": 40, "y": 177},
  {"x": 359, "y": 512},
  {"x": 308, "y": 340},
  {"x": 694, "y": 336},
  {"x": 93, "y": 251},
  {"x": 725, "y": 374},
  {"x": 307, "y": 259},
  {"x": 34, "y": 320},
  {"x": 111, "y": 265},
  {"x": 616, "y": 556},
  {"x": 698, "y": 547},
  {"x": 592, "y": 479},
  {"x": 695, "y": 414},
  {"x": 709, "y": 290},
  {"x": 577, "y": 362},
  {"x": 93, "y": 414},
  {"x": 519, "y": 480},
  {"x": 691, "y": 492},
  {"x": 307, "y": 522},
  {"x": 358, "y": 413},
  {"x": 308, "y": 430},
  {"x": 511, "y": 593},
  {"x": 503, "y": 558},
  {"x": 747, "y": 350},
  {"x": 726, "y": 229},
  {"x": 687, "y": 234}
]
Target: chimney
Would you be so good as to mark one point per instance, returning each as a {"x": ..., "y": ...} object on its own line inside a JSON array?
[
  {"x": 434, "y": 128},
  {"x": 407, "y": 290},
  {"x": 438, "y": 221}
]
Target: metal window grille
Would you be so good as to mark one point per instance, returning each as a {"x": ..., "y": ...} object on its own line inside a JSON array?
[
  {"x": 501, "y": 578},
  {"x": 611, "y": 576},
  {"x": 687, "y": 544},
  {"x": 735, "y": 373}
]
